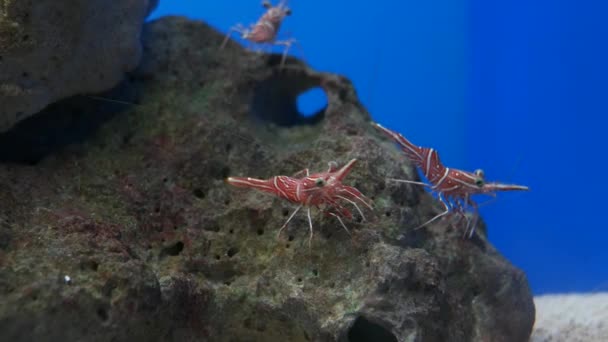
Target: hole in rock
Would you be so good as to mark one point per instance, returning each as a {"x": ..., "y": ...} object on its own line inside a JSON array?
[
  {"x": 280, "y": 99},
  {"x": 312, "y": 102},
  {"x": 173, "y": 250},
  {"x": 102, "y": 313},
  {"x": 89, "y": 265},
  {"x": 198, "y": 193},
  {"x": 364, "y": 330},
  {"x": 225, "y": 172},
  {"x": 232, "y": 252},
  {"x": 67, "y": 122}
]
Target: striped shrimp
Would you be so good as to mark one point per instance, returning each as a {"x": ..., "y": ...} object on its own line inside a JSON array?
[
  {"x": 323, "y": 190},
  {"x": 454, "y": 187},
  {"x": 266, "y": 29}
]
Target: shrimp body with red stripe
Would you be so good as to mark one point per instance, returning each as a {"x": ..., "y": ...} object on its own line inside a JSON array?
[
  {"x": 454, "y": 187},
  {"x": 323, "y": 190},
  {"x": 266, "y": 29}
]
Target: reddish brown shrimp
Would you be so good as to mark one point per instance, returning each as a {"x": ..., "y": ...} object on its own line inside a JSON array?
[
  {"x": 454, "y": 187},
  {"x": 266, "y": 29},
  {"x": 323, "y": 190}
]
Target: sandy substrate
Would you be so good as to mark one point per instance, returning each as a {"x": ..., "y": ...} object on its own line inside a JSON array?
[{"x": 571, "y": 317}]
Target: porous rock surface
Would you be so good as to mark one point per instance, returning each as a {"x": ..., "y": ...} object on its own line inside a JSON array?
[
  {"x": 157, "y": 247},
  {"x": 52, "y": 49}
]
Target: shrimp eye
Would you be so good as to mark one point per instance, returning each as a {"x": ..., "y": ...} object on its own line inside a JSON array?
[
  {"x": 479, "y": 182},
  {"x": 266, "y": 4},
  {"x": 320, "y": 182},
  {"x": 287, "y": 12}
]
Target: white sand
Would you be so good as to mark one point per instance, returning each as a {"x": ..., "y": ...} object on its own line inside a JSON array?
[{"x": 571, "y": 318}]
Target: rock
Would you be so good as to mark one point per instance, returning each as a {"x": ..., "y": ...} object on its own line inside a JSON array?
[
  {"x": 50, "y": 50},
  {"x": 158, "y": 247},
  {"x": 576, "y": 317}
]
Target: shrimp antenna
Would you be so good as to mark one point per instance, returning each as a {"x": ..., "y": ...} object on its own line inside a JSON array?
[{"x": 98, "y": 98}]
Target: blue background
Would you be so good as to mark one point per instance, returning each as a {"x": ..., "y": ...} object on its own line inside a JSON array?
[{"x": 518, "y": 88}]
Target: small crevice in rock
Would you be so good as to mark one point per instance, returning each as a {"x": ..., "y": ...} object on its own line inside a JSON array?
[
  {"x": 232, "y": 251},
  {"x": 173, "y": 250},
  {"x": 103, "y": 314},
  {"x": 198, "y": 193},
  {"x": 91, "y": 265},
  {"x": 364, "y": 330},
  {"x": 225, "y": 172}
]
